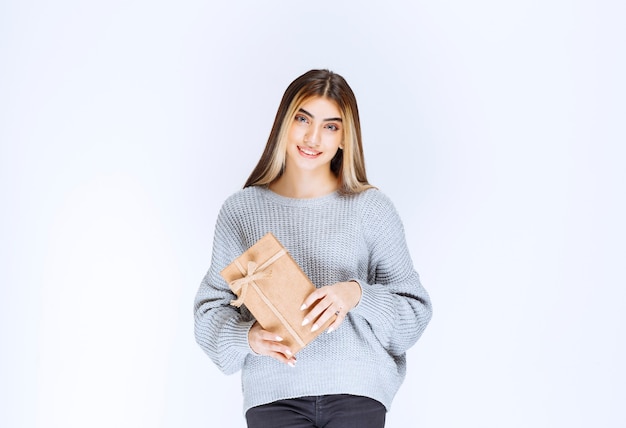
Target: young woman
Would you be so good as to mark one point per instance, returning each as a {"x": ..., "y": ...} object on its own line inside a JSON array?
[{"x": 311, "y": 191}]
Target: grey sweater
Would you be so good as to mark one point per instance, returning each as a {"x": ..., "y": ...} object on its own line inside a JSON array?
[{"x": 333, "y": 238}]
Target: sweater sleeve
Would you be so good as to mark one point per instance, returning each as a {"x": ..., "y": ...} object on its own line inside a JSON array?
[
  {"x": 221, "y": 330},
  {"x": 393, "y": 300}
]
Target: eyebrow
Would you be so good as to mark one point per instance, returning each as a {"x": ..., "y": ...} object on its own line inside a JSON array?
[{"x": 330, "y": 119}]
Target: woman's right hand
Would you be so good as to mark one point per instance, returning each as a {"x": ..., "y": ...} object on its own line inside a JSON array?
[{"x": 266, "y": 343}]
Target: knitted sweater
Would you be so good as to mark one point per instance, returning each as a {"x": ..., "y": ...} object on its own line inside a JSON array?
[{"x": 333, "y": 238}]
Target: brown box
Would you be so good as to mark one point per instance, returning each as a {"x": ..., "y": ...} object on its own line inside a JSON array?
[{"x": 270, "y": 283}]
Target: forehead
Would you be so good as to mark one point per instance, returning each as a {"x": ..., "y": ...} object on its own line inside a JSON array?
[{"x": 321, "y": 107}]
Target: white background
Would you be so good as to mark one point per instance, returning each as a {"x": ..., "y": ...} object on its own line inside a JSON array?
[{"x": 496, "y": 127}]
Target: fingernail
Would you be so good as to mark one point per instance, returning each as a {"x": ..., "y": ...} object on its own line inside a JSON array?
[
  {"x": 303, "y": 307},
  {"x": 315, "y": 327},
  {"x": 288, "y": 351},
  {"x": 291, "y": 364},
  {"x": 305, "y": 321},
  {"x": 330, "y": 330},
  {"x": 279, "y": 339}
]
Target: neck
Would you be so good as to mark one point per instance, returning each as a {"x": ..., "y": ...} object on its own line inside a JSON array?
[{"x": 305, "y": 184}]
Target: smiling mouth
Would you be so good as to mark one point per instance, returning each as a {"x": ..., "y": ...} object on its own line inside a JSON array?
[{"x": 308, "y": 152}]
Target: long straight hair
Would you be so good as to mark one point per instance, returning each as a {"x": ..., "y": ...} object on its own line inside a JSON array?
[{"x": 347, "y": 164}]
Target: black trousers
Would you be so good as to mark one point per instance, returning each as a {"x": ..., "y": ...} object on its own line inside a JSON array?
[{"x": 326, "y": 411}]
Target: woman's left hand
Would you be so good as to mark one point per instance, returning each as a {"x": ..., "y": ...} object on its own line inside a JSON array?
[{"x": 336, "y": 299}]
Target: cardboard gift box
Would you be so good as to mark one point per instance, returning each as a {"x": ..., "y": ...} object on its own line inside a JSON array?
[{"x": 268, "y": 281}]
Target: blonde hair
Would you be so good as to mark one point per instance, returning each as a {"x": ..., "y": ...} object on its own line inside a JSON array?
[{"x": 348, "y": 164}]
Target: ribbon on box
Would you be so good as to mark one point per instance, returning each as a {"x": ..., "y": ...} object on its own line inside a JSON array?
[{"x": 252, "y": 274}]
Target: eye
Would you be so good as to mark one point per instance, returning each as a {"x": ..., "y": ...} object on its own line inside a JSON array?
[
  {"x": 301, "y": 119},
  {"x": 332, "y": 127}
]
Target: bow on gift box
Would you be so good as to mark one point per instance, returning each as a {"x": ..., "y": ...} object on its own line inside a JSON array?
[
  {"x": 254, "y": 273},
  {"x": 240, "y": 286}
]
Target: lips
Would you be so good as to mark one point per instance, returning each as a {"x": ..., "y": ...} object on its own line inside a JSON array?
[{"x": 309, "y": 153}]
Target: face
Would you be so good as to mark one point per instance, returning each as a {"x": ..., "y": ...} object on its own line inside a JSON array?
[{"x": 315, "y": 134}]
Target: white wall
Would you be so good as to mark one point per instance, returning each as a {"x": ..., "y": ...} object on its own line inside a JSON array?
[{"x": 496, "y": 127}]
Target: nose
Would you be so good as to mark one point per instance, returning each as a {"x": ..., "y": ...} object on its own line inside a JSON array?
[{"x": 311, "y": 138}]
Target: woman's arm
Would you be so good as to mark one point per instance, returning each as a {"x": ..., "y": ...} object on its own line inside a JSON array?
[
  {"x": 221, "y": 330},
  {"x": 393, "y": 300}
]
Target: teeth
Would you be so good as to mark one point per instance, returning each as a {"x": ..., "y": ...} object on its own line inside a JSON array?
[{"x": 308, "y": 152}]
